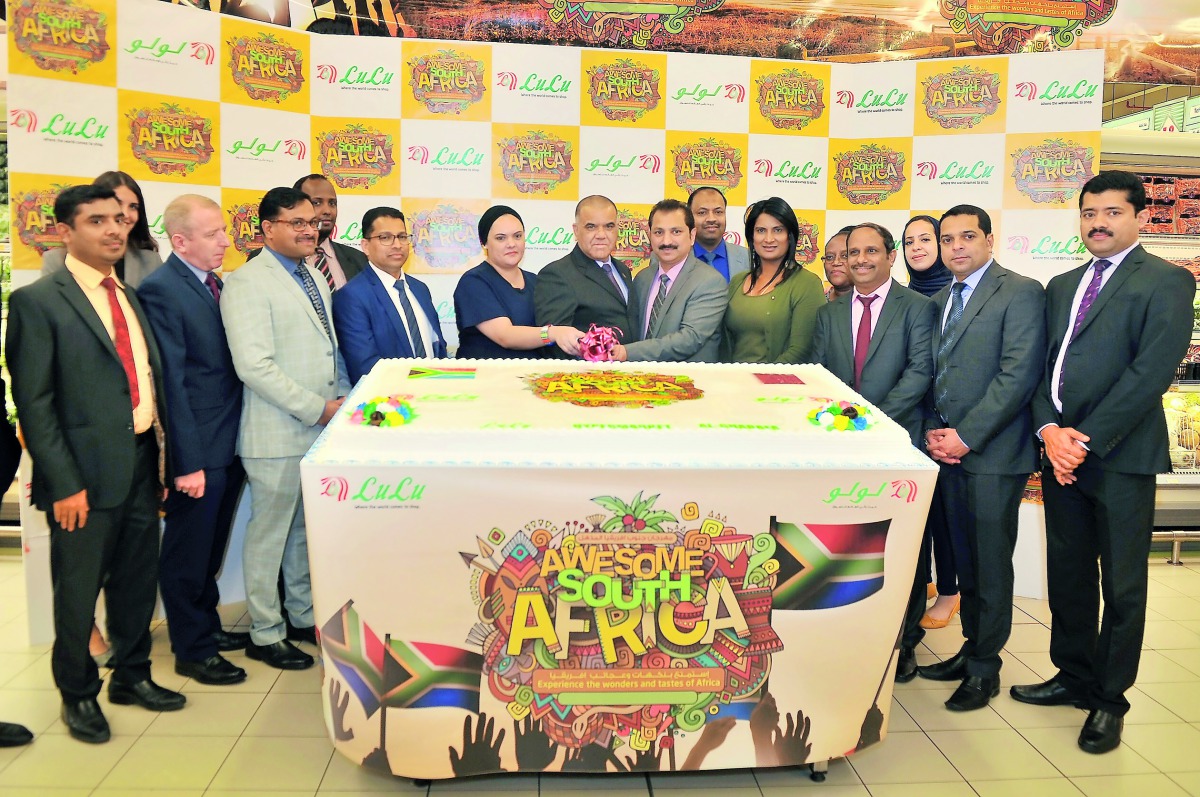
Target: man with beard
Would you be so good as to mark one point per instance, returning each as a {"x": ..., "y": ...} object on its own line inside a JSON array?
[
  {"x": 708, "y": 207},
  {"x": 336, "y": 263},
  {"x": 680, "y": 302}
]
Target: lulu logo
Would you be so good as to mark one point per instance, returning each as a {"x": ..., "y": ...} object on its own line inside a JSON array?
[
  {"x": 170, "y": 139},
  {"x": 355, "y": 156},
  {"x": 963, "y": 97},
  {"x": 62, "y": 36},
  {"x": 533, "y": 83},
  {"x": 625, "y": 90},
  {"x": 808, "y": 243},
  {"x": 203, "y": 51},
  {"x": 633, "y": 237},
  {"x": 788, "y": 170},
  {"x": 1008, "y": 26},
  {"x": 558, "y": 237},
  {"x": 791, "y": 99},
  {"x": 869, "y": 174},
  {"x": 1057, "y": 92},
  {"x": 700, "y": 92},
  {"x": 535, "y": 163},
  {"x": 356, "y": 76},
  {"x": 710, "y": 162},
  {"x": 447, "y": 82},
  {"x": 902, "y": 490},
  {"x": 243, "y": 217},
  {"x": 733, "y": 237},
  {"x": 446, "y": 236},
  {"x": 34, "y": 215},
  {"x": 956, "y": 172},
  {"x": 1053, "y": 171},
  {"x": 335, "y": 487},
  {"x": 892, "y": 98},
  {"x": 1072, "y": 247},
  {"x": 467, "y": 158},
  {"x": 266, "y": 68}
]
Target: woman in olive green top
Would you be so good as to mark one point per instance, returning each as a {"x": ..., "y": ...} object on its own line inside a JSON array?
[{"x": 772, "y": 307}]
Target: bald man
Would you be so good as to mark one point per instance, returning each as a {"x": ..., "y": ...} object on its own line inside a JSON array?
[{"x": 589, "y": 286}]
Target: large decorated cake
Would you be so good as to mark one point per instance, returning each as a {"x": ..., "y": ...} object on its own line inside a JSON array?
[{"x": 565, "y": 413}]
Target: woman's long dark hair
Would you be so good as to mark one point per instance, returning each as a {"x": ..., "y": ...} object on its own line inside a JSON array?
[
  {"x": 781, "y": 210},
  {"x": 937, "y": 276},
  {"x": 139, "y": 235}
]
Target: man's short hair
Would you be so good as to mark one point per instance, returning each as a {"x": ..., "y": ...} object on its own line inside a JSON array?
[
  {"x": 594, "y": 199},
  {"x": 66, "y": 204},
  {"x": 177, "y": 216},
  {"x": 889, "y": 241},
  {"x": 278, "y": 199},
  {"x": 985, "y": 221},
  {"x": 670, "y": 206},
  {"x": 720, "y": 193},
  {"x": 370, "y": 217},
  {"x": 299, "y": 184},
  {"x": 1130, "y": 183}
]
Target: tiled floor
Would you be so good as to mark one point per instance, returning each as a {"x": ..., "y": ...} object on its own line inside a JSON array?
[{"x": 266, "y": 736}]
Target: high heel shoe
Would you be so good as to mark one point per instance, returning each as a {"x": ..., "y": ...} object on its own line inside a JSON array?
[
  {"x": 931, "y": 622},
  {"x": 930, "y": 591}
]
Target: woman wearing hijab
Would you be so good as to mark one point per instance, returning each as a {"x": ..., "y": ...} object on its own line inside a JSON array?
[
  {"x": 928, "y": 275},
  {"x": 493, "y": 302}
]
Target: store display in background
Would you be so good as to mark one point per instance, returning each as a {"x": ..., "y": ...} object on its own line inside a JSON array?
[{"x": 1174, "y": 205}]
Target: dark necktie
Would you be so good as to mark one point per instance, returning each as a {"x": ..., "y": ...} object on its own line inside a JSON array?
[
  {"x": 863, "y": 340},
  {"x": 949, "y": 335},
  {"x": 612, "y": 275},
  {"x": 211, "y": 281},
  {"x": 121, "y": 339},
  {"x": 664, "y": 285},
  {"x": 1089, "y": 296},
  {"x": 314, "y": 296},
  {"x": 321, "y": 264},
  {"x": 410, "y": 317}
]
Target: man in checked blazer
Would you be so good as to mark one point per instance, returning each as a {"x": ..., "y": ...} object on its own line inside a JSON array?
[
  {"x": 1118, "y": 327},
  {"x": 890, "y": 329},
  {"x": 989, "y": 341},
  {"x": 679, "y": 301},
  {"x": 277, "y": 318}
]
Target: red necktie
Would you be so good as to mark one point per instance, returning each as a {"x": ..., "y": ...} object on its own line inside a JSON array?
[
  {"x": 121, "y": 338},
  {"x": 863, "y": 341},
  {"x": 213, "y": 288}
]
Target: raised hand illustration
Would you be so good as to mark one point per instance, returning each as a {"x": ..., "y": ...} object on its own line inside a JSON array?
[
  {"x": 480, "y": 748},
  {"x": 339, "y": 701},
  {"x": 535, "y": 750},
  {"x": 792, "y": 746}
]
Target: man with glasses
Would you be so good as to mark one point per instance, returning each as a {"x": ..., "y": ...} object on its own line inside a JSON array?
[
  {"x": 276, "y": 315},
  {"x": 837, "y": 264},
  {"x": 382, "y": 312},
  {"x": 336, "y": 263}
]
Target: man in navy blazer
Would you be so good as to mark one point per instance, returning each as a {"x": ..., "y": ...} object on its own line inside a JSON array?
[
  {"x": 383, "y": 312},
  {"x": 204, "y": 405}
]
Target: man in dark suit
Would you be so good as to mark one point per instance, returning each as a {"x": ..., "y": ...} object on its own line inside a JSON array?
[
  {"x": 1118, "y": 326},
  {"x": 877, "y": 338},
  {"x": 87, "y": 381},
  {"x": 589, "y": 286},
  {"x": 384, "y": 312},
  {"x": 680, "y": 302},
  {"x": 11, "y": 734},
  {"x": 204, "y": 406},
  {"x": 336, "y": 262},
  {"x": 988, "y": 344}
]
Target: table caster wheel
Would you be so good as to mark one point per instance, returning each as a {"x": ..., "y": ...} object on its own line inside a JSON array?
[
  {"x": 817, "y": 777},
  {"x": 421, "y": 783}
]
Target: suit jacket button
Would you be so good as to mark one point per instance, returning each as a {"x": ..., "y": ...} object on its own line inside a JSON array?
[
  {"x": 329, "y": 353},
  {"x": 331, "y": 382}
]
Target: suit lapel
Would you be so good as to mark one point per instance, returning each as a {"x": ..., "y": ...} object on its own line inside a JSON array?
[
  {"x": 385, "y": 306},
  {"x": 989, "y": 284},
  {"x": 842, "y": 318},
  {"x": 596, "y": 274},
  {"x": 79, "y": 302},
  {"x": 677, "y": 289},
  {"x": 1128, "y": 267},
  {"x": 198, "y": 288},
  {"x": 891, "y": 308},
  {"x": 292, "y": 288}
]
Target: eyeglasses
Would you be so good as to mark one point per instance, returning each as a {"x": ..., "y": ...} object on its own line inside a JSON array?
[
  {"x": 835, "y": 258},
  {"x": 387, "y": 238},
  {"x": 299, "y": 225}
]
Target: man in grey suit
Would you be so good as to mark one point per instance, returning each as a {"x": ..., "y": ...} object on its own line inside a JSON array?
[
  {"x": 335, "y": 262},
  {"x": 680, "y": 302},
  {"x": 708, "y": 207},
  {"x": 876, "y": 337},
  {"x": 276, "y": 316},
  {"x": 989, "y": 345}
]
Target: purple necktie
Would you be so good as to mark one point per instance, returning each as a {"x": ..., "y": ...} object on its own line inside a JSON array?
[
  {"x": 862, "y": 341},
  {"x": 1089, "y": 296},
  {"x": 214, "y": 289}
]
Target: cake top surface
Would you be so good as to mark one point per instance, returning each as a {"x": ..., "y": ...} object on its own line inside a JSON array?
[{"x": 572, "y": 413}]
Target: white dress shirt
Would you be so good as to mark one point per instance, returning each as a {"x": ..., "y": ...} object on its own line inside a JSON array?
[{"x": 423, "y": 324}]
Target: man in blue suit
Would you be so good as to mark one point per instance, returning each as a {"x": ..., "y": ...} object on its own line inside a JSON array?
[
  {"x": 383, "y": 313},
  {"x": 204, "y": 403}
]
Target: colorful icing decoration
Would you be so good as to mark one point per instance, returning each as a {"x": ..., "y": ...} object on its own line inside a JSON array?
[
  {"x": 597, "y": 344},
  {"x": 840, "y": 417},
  {"x": 383, "y": 411},
  {"x": 613, "y": 388}
]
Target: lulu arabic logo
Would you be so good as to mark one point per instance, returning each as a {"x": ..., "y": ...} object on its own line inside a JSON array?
[
  {"x": 255, "y": 149},
  {"x": 266, "y": 68},
  {"x": 869, "y": 174},
  {"x": 59, "y": 35},
  {"x": 296, "y": 148},
  {"x": 624, "y": 90},
  {"x": 327, "y": 72},
  {"x": 962, "y": 98},
  {"x": 155, "y": 49},
  {"x": 709, "y": 161},
  {"x": 335, "y": 487},
  {"x": 445, "y": 237},
  {"x": 791, "y": 99},
  {"x": 633, "y": 237},
  {"x": 419, "y": 154},
  {"x": 447, "y": 81},
  {"x": 22, "y": 118},
  {"x": 355, "y": 156},
  {"x": 243, "y": 217},
  {"x": 33, "y": 213},
  {"x": 170, "y": 139},
  {"x": 1006, "y": 26},
  {"x": 203, "y": 51},
  {"x": 1052, "y": 171},
  {"x": 535, "y": 163}
]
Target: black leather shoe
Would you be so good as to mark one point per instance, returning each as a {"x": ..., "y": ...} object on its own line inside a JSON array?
[
  {"x": 281, "y": 655},
  {"x": 146, "y": 694},
  {"x": 215, "y": 671},
  {"x": 974, "y": 692},
  {"x": 906, "y": 666},
  {"x": 952, "y": 669},
  {"x": 14, "y": 735},
  {"x": 85, "y": 721},
  {"x": 1047, "y": 693},
  {"x": 298, "y": 634},
  {"x": 228, "y": 641},
  {"x": 1101, "y": 732}
]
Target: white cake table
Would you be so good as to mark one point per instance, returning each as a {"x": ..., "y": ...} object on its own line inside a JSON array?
[{"x": 583, "y": 568}]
